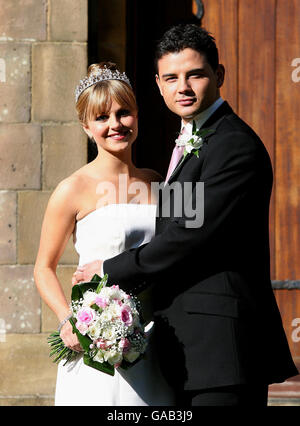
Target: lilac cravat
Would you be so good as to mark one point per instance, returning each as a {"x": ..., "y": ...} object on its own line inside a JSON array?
[{"x": 176, "y": 155}]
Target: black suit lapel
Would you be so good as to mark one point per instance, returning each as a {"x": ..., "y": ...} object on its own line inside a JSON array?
[{"x": 211, "y": 123}]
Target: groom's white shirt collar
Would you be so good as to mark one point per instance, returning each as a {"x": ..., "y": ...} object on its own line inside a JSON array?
[{"x": 202, "y": 117}]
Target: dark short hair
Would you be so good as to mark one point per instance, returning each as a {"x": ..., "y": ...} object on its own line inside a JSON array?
[{"x": 185, "y": 36}]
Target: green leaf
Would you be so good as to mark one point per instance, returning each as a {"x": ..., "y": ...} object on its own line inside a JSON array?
[
  {"x": 79, "y": 289},
  {"x": 97, "y": 278},
  {"x": 102, "y": 283},
  {"x": 77, "y": 292},
  {"x": 105, "y": 367},
  {"x": 196, "y": 153},
  {"x": 96, "y": 307},
  {"x": 194, "y": 127},
  {"x": 206, "y": 132}
]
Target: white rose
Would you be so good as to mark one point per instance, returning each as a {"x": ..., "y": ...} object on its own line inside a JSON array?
[
  {"x": 113, "y": 357},
  {"x": 105, "y": 316},
  {"x": 131, "y": 356},
  {"x": 198, "y": 142},
  {"x": 189, "y": 148},
  {"x": 195, "y": 143},
  {"x": 115, "y": 293},
  {"x": 105, "y": 293},
  {"x": 123, "y": 295},
  {"x": 114, "y": 309},
  {"x": 89, "y": 298},
  {"x": 109, "y": 334},
  {"x": 183, "y": 139},
  {"x": 94, "y": 330},
  {"x": 99, "y": 357}
]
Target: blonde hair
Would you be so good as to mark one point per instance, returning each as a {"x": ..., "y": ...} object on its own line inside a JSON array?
[{"x": 97, "y": 99}]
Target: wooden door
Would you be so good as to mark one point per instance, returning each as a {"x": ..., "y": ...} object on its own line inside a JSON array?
[{"x": 259, "y": 43}]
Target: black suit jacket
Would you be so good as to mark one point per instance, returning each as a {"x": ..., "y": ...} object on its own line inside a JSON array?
[{"x": 217, "y": 319}]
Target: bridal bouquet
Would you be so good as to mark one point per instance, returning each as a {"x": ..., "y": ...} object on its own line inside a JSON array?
[{"x": 108, "y": 324}]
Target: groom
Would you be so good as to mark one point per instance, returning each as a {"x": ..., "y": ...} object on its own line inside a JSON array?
[{"x": 221, "y": 337}]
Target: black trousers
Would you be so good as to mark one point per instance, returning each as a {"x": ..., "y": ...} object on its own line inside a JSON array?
[{"x": 254, "y": 395}]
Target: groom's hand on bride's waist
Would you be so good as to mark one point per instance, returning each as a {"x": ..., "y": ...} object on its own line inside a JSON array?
[{"x": 86, "y": 272}]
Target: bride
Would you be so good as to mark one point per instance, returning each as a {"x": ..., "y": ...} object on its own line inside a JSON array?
[{"x": 96, "y": 205}]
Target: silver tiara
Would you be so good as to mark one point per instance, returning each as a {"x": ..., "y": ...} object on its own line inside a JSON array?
[{"x": 100, "y": 75}]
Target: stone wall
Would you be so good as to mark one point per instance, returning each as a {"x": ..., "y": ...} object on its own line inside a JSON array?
[{"x": 43, "y": 54}]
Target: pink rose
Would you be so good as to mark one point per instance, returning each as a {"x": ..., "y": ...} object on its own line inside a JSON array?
[
  {"x": 101, "y": 344},
  {"x": 126, "y": 315},
  {"x": 102, "y": 302},
  {"x": 81, "y": 327},
  {"x": 124, "y": 344},
  {"x": 85, "y": 315}
]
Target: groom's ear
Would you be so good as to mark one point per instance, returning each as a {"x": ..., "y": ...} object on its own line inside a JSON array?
[
  {"x": 220, "y": 75},
  {"x": 158, "y": 83}
]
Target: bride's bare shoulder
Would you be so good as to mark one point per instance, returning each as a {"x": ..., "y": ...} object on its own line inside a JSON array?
[
  {"x": 69, "y": 190},
  {"x": 70, "y": 185}
]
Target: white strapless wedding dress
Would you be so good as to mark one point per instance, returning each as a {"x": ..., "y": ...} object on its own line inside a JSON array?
[{"x": 102, "y": 234}]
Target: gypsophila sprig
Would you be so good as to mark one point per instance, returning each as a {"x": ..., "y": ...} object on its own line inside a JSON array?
[
  {"x": 108, "y": 324},
  {"x": 194, "y": 144}
]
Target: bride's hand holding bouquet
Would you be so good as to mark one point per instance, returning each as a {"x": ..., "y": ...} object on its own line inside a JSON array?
[{"x": 108, "y": 325}]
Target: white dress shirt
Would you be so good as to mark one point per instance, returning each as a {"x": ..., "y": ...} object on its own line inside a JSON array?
[{"x": 201, "y": 118}]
